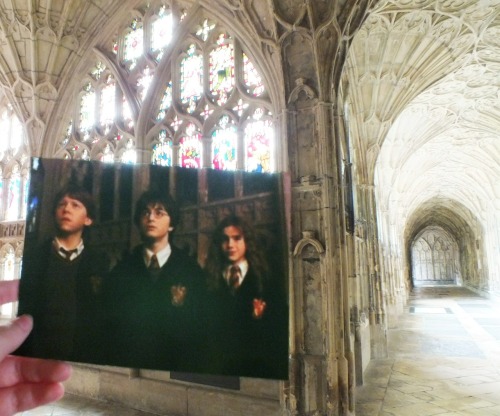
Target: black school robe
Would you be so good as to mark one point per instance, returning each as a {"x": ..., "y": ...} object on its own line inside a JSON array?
[
  {"x": 65, "y": 299},
  {"x": 246, "y": 341},
  {"x": 155, "y": 320}
]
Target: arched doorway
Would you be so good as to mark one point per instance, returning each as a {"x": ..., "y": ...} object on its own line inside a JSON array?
[{"x": 435, "y": 258}]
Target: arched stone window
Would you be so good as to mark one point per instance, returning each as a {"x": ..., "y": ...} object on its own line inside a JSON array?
[
  {"x": 14, "y": 161},
  {"x": 435, "y": 258},
  {"x": 197, "y": 102}
]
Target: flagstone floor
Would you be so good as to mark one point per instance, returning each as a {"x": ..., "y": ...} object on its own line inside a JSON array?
[{"x": 444, "y": 360}]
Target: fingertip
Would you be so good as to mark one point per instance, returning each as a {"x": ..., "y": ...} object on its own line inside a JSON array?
[
  {"x": 66, "y": 371},
  {"x": 58, "y": 391},
  {"x": 25, "y": 322},
  {"x": 53, "y": 392},
  {"x": 56, "y": 371}
]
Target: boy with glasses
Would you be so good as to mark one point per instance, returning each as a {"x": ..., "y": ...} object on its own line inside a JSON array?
[{"x": 155, "y": 295}]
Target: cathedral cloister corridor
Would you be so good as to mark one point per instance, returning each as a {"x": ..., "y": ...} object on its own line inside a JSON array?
[{"x": 381, "y": 116}]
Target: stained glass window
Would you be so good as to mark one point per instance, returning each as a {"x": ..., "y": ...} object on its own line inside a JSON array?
[
  {"x": 14, "y": 153},
  {"x": 162, "y": 151},
  {"x": 133, "y": 44},
  {"x": 127, "y": 114},
  {"x": 207, "y": 111},
  {"x": 208, "y": 80},
  {"x": 129, "y": 155},
  {"x": 85, "y": 155},
  {"x": 14, "y": 195},
  {"x": 259, "y": 138},
  {"x": 107, "y": 105},
  {"x": 87, "y": 110},
  {"x": 12, "y": 131},
  {"x": 176, "y": 123},
  {"x": 252, "y": 78},
  {"x": 16, "y": 135},
  {"x": 204, "y": 29},
  {"x": 161, "y": 33},
  {"x": 191, "y": 78},
  {"x": 190, "y": 148},
  {"x": 166, "y": 102},
  {"x": 224, "y": 145},
  {"x": 107, "y": 154},
  {"x": 144, "y": 82},
  {"x": 240, "y": 107},
  {"x": 222, "y": 70},
  {"x": 4, "y": 126},
  {"x": 25, "y": 198}
]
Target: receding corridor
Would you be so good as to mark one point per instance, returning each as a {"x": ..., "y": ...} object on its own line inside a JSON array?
[{"x": 444, "y": 359}]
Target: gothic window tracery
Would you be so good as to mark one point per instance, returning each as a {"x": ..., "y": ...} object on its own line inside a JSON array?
[
  {"x": 14, "y": 160},
  {"x": 198, "y": 102}
]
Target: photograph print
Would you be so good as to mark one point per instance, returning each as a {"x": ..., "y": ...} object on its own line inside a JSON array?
[{"x": 152, "y": 267}]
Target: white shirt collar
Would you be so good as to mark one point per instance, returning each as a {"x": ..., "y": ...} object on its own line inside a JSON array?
[
  {"x": 162, "y": 256},
  {"x": 243, "y": 265},
  {"x": 74, "y": 255}
]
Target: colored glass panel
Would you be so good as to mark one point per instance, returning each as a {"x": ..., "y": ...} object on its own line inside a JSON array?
[
  {"x": 191, "y": 78},
  {"x": 240, "y": 107},
  {"x": 144, "y": 82},
  {"x": 107, "y": 155},
  {"x": 162, "y": 151},
  {"x": 207, "y": 111},
  {"x": 221, "y": 69},
  {"x": 190, "y": 148},
  {"x": 128, "y": 121},
  {"x": 130, "y": 154},
  {"x": 259, "y": 137},
  {"x": 161, "y": 33},
  {"x": 85, "y": 155},
  {"x": 166, "y": 102},
  {"x": 5, "y": 127},
  {"x": 133, "y": 44},
  {"x": 224, "y": 141},
  {"x": 252, "y": 78},
  {"x": 14, "y": 196},
  {"x": 204, "y": 29},
  {"x": 107, "y": 105},
  {"x": 87, "y": 110},
  {"x": 24, "y": 208},
  {"x": 16, "y": 134}
]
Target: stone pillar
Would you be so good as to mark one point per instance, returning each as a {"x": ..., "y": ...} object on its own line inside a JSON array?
[
  {"x": 319, "y": 379},
  {"x": 377, "y": 287}
]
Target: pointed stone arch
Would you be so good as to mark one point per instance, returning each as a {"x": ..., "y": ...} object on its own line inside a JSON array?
[{"x": 435, "y": 258}]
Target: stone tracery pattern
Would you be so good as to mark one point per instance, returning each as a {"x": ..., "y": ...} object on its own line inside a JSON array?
[
  {"x": 421, "y": 79},
  {"x": 435, "y": 140}
]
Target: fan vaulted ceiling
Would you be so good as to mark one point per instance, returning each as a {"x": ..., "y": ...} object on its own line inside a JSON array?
[{"x": 424, "y": 88}]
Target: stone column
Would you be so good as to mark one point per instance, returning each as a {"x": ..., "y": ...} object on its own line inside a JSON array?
[{"x": 320, "y": 348}]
